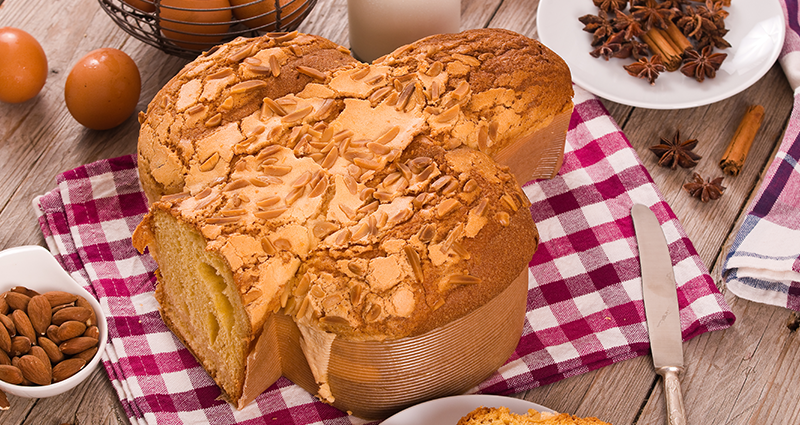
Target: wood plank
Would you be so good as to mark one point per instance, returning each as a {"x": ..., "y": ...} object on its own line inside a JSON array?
[{"x": 517, "y": 15}]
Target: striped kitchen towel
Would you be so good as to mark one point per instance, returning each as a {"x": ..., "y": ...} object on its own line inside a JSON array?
[{"x": 763, "y": 263}]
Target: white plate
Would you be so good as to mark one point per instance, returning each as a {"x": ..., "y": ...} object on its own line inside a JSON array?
[
  {"x": 756, "y": 35},
  {"x": 35, "y": 268},
  {"x": 449, "y": 410}
]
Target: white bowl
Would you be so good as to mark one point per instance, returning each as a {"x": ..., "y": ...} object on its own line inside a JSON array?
[{"x": 35, "y": 268}]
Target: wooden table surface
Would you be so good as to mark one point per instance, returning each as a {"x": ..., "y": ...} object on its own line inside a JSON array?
[{"x": 748, "y": 374}]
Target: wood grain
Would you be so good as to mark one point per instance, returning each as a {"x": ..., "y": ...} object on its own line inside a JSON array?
[{"x": 747, "y": 374}]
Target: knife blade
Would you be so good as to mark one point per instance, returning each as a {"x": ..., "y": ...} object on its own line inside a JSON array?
[{"x": 661, "y": 308}]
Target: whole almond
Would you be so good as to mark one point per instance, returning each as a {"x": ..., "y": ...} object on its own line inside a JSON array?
[
  {"x": 23, "y": 324},
  {"x": 23, "y": 290},
  {"x": 86, "y": 355},
  {"x": 60, "y": 307},
  {"x": 93, "y": 332},
  {"x": 3, "y": 305},
  {"x": 70, "y": 329},
  {"x": 34, "y": 370},
  {"x": 9, "y": 324},
  {"x": 80, "y": 314},
  {"x": 4, "y": 359},
  {"x": 40, "y": 354},
  {"x": 82, "y": 302},
  {"x": 17, "y": 301},
  {"x": 40, "y": 314},
  {"x": 20, "y": 345},
  {"x": 57, "y": 298},
  {"x": 4, "y": 404},
  {"x": 67, "y": 368},
  {"x": 51, "y": 348},
  {"x": 52, "y": 333},
  {"x": 76, "y": 345},
  {"x": 10, "y": 374},
  {"x": 5, "y": 339}
]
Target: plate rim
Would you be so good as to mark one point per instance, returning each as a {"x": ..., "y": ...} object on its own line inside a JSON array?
[{"x": 516, "y": 405}]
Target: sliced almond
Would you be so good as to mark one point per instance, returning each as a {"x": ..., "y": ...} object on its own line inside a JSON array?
[
  {"x": 319, "y": 188},
  {"x": 503, "y": 218},
  {"x": 324, "y": 228},
  {"x": 275, "y": 66},
  {"x": 447, "y": 206},
  {"x": 414, "y": 261},
  {"x": 464, "y": 279},
  {"x": 270, "y": 214},
  {"x": 276, "y": 170}
]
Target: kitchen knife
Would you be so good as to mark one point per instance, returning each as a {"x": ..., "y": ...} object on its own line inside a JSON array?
[{"x": 661, "y": 308}]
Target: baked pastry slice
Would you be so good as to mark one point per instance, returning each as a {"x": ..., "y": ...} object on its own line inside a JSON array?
[{"x": 502, "y": 416}]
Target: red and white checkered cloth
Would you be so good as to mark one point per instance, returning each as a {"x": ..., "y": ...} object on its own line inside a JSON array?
[{"x": 584, "y": 301}]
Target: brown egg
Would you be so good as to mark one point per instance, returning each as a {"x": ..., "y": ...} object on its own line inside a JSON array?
[
  {"x": 143, "y": 5},
  {"x": 260, "y": 14},
  {"x": 189, "y": 28},
  {"x": 23, "y": 66},
  {"x": 102, "y": 89}
]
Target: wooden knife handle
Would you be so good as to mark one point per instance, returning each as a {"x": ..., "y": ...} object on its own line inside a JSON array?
[{"x": 676, "y": 414}]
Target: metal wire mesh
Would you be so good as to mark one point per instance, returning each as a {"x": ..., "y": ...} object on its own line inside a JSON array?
[{"x": 183, "y": 35}]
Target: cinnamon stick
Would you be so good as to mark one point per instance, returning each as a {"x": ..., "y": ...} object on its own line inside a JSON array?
[
  {"x": 660, "y": 44},
  {"x": 677, "y": 37},
  {"x": 737, "y": 150}
]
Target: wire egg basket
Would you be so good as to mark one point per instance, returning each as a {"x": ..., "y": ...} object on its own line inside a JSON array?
[{"x": 186, "y": 28}]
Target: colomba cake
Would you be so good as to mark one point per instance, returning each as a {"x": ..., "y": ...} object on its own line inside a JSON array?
[{"x": 348, "y": 225}]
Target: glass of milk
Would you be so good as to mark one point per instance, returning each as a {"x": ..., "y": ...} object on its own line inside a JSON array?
[{"x": 377, "y": 27}]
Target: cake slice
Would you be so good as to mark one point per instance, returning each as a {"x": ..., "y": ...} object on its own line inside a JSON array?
[{"x": 502, "y": 416}]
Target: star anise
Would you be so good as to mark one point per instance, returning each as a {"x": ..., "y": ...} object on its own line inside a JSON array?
[
  {"x": 703, "y": 64},
  {"x": 694, "y": 24},
  {"x": 672, "y": 153},
  {"x": 629, "y": 26},
  {"x": 705, "y": 190},
  {"x": 647, "y": 68},
  {"x": 715, "y": 12},
  {"x": 609, "y": 6},
  {"x": 609, "y": 48},
  {"x": 676, "y": 4},
  {"x": 714, "y": 38},
  {"x": 633, "y": 48},
  {"x": 652, "y": 14},
  {"x": 599, "y": 25}
]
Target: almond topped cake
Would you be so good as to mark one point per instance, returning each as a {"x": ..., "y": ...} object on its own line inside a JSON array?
[{"x": 307, "y": 208}]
